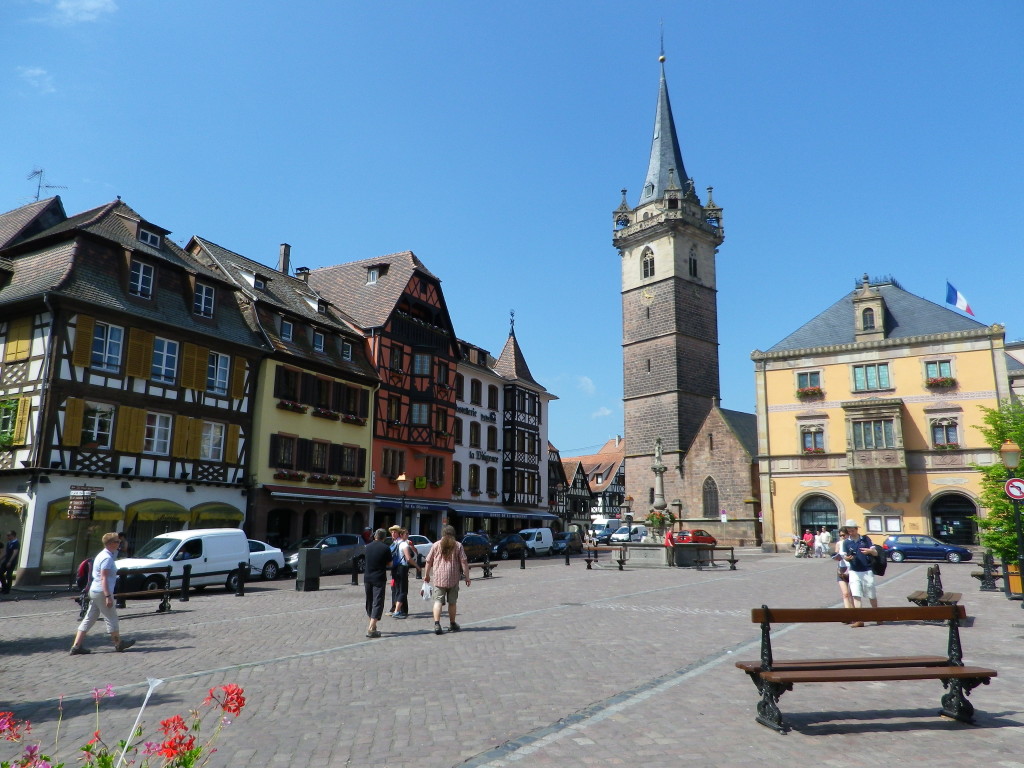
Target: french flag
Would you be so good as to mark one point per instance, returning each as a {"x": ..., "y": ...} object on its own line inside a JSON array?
[{"x": 954, "y": 297}]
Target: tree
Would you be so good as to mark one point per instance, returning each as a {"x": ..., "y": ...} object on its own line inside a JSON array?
[{"x": 998, "y": 531}]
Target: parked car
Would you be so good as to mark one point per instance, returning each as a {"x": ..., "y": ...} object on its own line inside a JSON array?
[
  {"x": 420, "y": 543},
  {"x": 538, "y": 541},
  {"x": 212, "y": 553},
  {"x": 568, "y": 540},
  {"x": 917, "y": 547},
  {"x": 630, "y": 533},
  {"x": 264, "y": 560},
  {"x": 693, "y": 536},
  {"x": 477, "y": 547},
  {"x": 337, "y": 551},
  {"x": 604, "y": 535},
  {"x": 509, "y": 546}
]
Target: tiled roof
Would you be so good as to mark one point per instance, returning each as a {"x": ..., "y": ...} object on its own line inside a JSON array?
[
  {"x": 907, "y": 315},
  {"x": 605, "y": 462},
  {"x": 744, "y": 426},
  {"x": 665, "y": 154},
  {"x": 27, "y": 220},
  {"x": 511, "y": 364},
  {"x": 1013, "y": 365},
  {"x": 37, "y": 272},
  {"x": 369, "y": 305}
]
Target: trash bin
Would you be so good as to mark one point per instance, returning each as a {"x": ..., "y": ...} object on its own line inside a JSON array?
[{"x": 307, "y": 578}]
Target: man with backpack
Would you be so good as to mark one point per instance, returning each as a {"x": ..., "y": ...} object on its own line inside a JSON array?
[
  {"x": 858, "y": 551},
  {"x": 402, "y": 556}
]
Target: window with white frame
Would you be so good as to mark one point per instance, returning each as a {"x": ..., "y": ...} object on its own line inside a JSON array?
[
  {"x": 318, "y": 341},
  {"x": 217, "y": 367},
  {"x": 883, "y": 523},
  {"x": 165, "y": 361},
  {"x": 149, "y": 238},
  {"x": 287, "y": 329},
  {"x": 372, "y": 274},
  {"x": 871, "y": 377},
  {"x": 211, "y": 445},
  {"x": 97, "y": 424},
  {"x": 874, "y": 434},
  {"x": 106, "y": 346},
  {"x": 158, "y": 434},
  {"x": 945, "y": 433},
  {"x": 419, "y": 414},
  {"x": 346, "y": 351},
  {"x": 140, "y": 280},
  {"x": 202, "y": 301}
]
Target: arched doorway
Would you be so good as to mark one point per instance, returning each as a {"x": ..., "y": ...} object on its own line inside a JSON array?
[
  {"x": 309, "y": 527},
  {"x": 951, "y": 519},
  {"x": 818, "y": 511},
  {"x": 279, "y": 528}
]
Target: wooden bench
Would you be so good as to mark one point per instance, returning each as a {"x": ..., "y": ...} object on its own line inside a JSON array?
[
  {"x": 487, "y": 566},
  {"x": 773, "y": 678},
  {"x": 988, "y": 573},
  {"x": 592, "y": 551},
  {"x": 731, "y": 559},
  {"x": 934, "y": 594}
]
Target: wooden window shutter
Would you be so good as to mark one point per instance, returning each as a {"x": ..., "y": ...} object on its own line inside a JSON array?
[
  {"x": 334, "y": 459},
  {"x": 81, "y": 354},
  {"x": 238, "y": 369},
  {"x": 338, "y": 392},
  {"x": 303, "y": 454},
  {"x": 188, "y": 365},
  {"x": 195, "y": 438},
  {"x": 361, "y": 466},
  {"x": 139, "y": 360},
  {"x": 130, "y": 430},
  {"x": 308, "y": 393},
  {"x": 19, "y": 339},
  {"x": 179, "y": 440},
  {"x": 275, "y": 450},
  {"x": 74, "y": 412},
  {"x": 20, "y": 434},
  {"x": 364, "y": 403},
  {"x": 231, "y": 444},
  {"x": 279, "y": 381}
]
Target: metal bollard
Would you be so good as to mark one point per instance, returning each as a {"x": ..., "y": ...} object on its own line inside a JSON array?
[
  {"x": 243, "y": 568},
  {"x": 522, "y": 560},
  {"x": 355, "y": 574},
  {"x": 567, "y": 555},
  {"x": 186, "y": 582}
]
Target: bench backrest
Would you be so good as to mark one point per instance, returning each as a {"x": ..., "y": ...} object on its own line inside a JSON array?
[{"x": 818, "y": 615}]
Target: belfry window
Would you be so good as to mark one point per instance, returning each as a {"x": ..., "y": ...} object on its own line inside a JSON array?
[
  {"x": 868, "y": 319},
  {"x": 647, "y": 263}
]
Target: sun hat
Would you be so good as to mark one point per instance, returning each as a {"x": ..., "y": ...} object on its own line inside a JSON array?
[{"x": 852, "y": 524}]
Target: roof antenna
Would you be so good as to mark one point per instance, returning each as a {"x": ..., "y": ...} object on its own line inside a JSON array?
[{"x": 38, "y": 174}]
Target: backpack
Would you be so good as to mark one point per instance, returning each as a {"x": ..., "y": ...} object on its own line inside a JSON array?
[
  {"x": 878, "y": 564},
  {"x": 84, "y": 575}
]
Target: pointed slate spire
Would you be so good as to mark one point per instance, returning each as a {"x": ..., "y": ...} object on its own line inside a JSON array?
[
  {"x": 511, "y": 363},
  {"x": 665, "y": 154}
]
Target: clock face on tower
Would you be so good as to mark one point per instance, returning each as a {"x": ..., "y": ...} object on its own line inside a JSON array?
[{"x": 646, "y": 297}]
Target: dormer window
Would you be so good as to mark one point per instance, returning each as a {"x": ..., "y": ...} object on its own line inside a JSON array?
[
  {"x": 259, "y": 283},
  {"x": 318, "y": 341},
  {"x": 287, "y": 329},
  {"x": 149, "y": 238},
  {"x": 202, "y": 302},
  {"x": 321, "y": 307},
  {"x": 372, "y": 273},
  {"x": 140, "y": 281},
  {"x": 346, "y": 351},
  {"x": 868, "y": 319}
]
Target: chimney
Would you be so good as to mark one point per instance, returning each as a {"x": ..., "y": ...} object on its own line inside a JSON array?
[
  {"x": 302, "y": 273},
  {"x": 284, "y": 259}
]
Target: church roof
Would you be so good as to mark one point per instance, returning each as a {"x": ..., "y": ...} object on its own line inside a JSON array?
[
  {"x": 906, "y": 316},
  {"x": 744, "y": 426},
  {"x": 665, "y": 154}
]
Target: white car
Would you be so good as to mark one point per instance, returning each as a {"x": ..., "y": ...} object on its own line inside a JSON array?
[
  {"x": 421, "y": 544},
  {"x": 264, "y": 560},
  {"x": 630, "y": 533}
]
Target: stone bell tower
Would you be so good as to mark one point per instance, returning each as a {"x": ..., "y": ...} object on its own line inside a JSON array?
[{"x": 667, "y": 245}]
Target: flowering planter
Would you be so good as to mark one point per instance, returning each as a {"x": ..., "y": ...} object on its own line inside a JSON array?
[
  {"x": 323, "y": 479},
  {"x": 288, "y": 474},
  {"x": 941, "y": 382},
  {"x": 326, "y": 413},
  {"x": 809, "y": 393},
  {"x": 290, "y": 405},
  {"x": 947, "y": 446},
  {"x": 349, "y": 418},
  {"x": 814, "y": 451},
  {"x": 352, "y": 481}
]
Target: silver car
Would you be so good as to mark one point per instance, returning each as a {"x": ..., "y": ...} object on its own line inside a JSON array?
[{"x": 337, "y": 551}]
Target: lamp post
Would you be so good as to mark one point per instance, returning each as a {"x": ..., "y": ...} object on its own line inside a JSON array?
[
  {"x": 403, "y": 486},
  {"x": 562, "y": 513},
  {"x": 1009, "y": 453}
]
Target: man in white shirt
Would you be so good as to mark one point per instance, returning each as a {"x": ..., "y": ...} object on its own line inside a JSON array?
[{"x": 101, "y": 597}]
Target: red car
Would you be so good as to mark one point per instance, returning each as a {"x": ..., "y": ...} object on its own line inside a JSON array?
[{"x": 693, "y": 536}]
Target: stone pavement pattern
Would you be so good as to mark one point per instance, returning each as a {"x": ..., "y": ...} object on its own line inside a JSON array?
[{"x": 554, "y": 666}]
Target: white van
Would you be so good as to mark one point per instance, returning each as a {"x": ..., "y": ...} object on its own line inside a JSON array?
[
  {"x": 538, "y": 540},
  {"x": 213, "y": 553},
  {"x": 630, "y": 533},
  {"x": 600, "y": 524}
]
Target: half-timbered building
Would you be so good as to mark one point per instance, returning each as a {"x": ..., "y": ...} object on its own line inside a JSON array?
[
  {"x": 400, "y": 308},
  {"x": 127, "y": 373},
  {"x": 312, "y": 431},
  {"x": 606, "y": 478}
]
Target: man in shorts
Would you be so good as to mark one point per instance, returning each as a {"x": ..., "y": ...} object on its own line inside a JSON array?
[
  {"x": 858, "y": 551},
  {"x": 446, "y": 565}
]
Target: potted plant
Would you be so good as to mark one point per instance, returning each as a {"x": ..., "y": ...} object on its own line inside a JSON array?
[
  {"x": 291, "y": 405},
  {"x": 326, "y": 413},
  {"x": 940, "y": 382},
  {"x": 813, "y": 451},
  {"x": 807, "y": 393},
  {"x": 947, "y": 446}
]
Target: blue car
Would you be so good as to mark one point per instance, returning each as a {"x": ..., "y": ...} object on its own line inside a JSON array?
[{"x": 916, "y": 547}]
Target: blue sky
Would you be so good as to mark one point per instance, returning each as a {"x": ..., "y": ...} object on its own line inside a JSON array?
[{"x": 493, "y": 139}]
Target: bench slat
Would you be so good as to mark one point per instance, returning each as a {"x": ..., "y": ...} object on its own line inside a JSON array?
[
  {"x": 883, "y": 674},
  {"x": 817, "y": 615},
  {"x": 861, "y": 663}
]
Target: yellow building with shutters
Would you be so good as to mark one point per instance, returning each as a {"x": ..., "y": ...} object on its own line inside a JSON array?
[
  {"x": 128, "y": 372},
  {"x": 870, "y": 411}
]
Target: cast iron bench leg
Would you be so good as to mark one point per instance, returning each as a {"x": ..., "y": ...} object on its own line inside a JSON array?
[
  {"x": 955, "y": 703},
  {"x": 768, "y": 712}
]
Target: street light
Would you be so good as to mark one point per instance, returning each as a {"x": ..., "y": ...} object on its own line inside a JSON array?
[
  {"x": 1009, "y": 453},
  {"x": 403, "y": 486}
]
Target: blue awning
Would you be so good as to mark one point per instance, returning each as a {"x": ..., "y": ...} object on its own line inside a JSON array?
[
  {"x": 411, "y": 505},
  {"x": 480, "y": 510}
]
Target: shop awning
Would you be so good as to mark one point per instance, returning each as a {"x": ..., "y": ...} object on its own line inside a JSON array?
[
  {"x": 158, "y": 509},
  {"x": 217, "y": 511},
  {"x": 480, "y": 510},
  {"x": 313, "y": 494},
  {"x": 412, "y": 505}
]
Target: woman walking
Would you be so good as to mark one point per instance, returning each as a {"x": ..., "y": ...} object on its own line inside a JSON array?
[{"x": 842, "y": 572}]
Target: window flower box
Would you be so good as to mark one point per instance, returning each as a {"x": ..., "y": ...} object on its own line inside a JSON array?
[
  {"x": 291, "y": 405},
  {"x": 351, "y": 481},
  {"x": 316, "y": 477},
  {"x": 351, "y": 418},
  {"x": 808, "y": 393},
  {"x": 940, "y": 382},
  {"x": 493, "y": 494},
  {"x": 474, "y": 493},
  {"x": 947, "y": 446},
  {"x": 457, "y": 491},
  {"x": 289, "y": 474},
  {"x": 326, "y": 413},
  {"x": 813, "y": 451}
]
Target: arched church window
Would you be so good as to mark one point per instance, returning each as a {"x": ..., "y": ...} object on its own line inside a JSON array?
[
  {"x": 647, "y": 263},
  {"x": 693, "y": 262},
  {"x": 868, "y": 319},
  {"x": 710, "y": 497}
]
